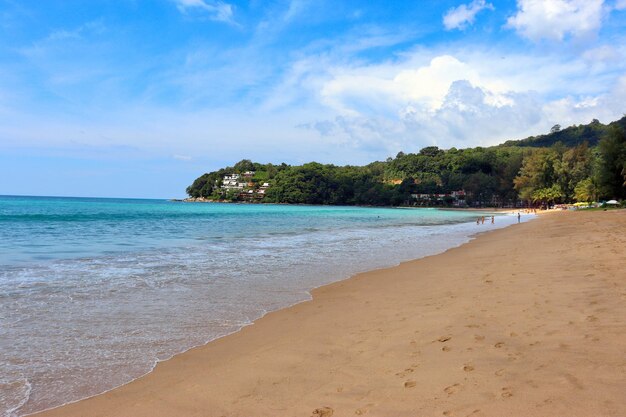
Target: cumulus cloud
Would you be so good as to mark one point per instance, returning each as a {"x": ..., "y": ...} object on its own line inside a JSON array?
[
  {"x": 461, "y": 98},
  {"x": 467, "y": 116},
  {"x": 216, "y": 10},
  {"x": 557, "y": 19},
  {"x": 381, "y": 89},
  {"x": 462, "y": 16}
]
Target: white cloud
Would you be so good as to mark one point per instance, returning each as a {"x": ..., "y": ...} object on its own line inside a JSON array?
[
  {"x": 217, "y": 10},
  {"x": 462, "y": 16},
  {"x": 470, "y": 115},
  {"x": 182, "y": 157},
  {"x": 424, "y": 83},
  {"x": 459, "y": 98},
  {"x": 467, "y": 116},
  {"x": 604, "y": 53},
  {"x": 557, "y": 19},
  {"x": 620, "y": 4},
  {"x": 573, "y": 110},
  {"x": 296, "y": 7},
  {"x": 95, "y": 27},
  {"x": 381, "y": 88}
]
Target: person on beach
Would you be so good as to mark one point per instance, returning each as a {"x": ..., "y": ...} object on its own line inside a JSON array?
[
  {"x": 478, "y": 221},
  {"x": 483, "y": 220},
  {"x": 492, "y": 219},
  {"x": 518, "y": 216}
]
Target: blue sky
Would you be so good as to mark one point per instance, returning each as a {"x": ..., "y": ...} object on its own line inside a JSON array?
[{"x": 136, "y": 98}]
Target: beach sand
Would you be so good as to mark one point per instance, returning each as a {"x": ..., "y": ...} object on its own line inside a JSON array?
[{"x": 525, "y": 321}]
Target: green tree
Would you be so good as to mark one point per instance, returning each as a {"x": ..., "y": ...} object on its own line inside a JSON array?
[
  {"x": 573, "y": 165},
  {"x": 537, "y": 172},
  {"x": 611, "y": 167},
  {"x": 243, "y": 166},
  {"x": 586, "y": 190},
  {"x": 480, "y": 188},
  {"x": 548, "y": 195}
]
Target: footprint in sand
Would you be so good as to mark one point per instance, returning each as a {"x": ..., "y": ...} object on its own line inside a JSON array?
[
  {"x": 506, "y": 392},
  {"x": 478, "y": 338},
  {"x": 593, "y": 338},
  {"x": 323, "y": 412},
  {"x": 444, "y": 339},
  {"x": 446, "y": 348},
  {"x": 532, "y": 383},
  {"x": 405, "y": 372},
  {"x": 468, "y": 368},
  {"x": 410, "y": 384},
  {"x": 499, "y": 372},
  {"x": 452, "y": 389},
  {"x": 498, "y": 345}
]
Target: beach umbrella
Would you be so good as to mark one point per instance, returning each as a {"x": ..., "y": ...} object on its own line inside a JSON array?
[{"x": 612, "y": 202}]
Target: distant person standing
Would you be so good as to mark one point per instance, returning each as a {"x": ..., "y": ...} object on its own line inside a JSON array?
[
  {"x": 519, "y": 216},
  {"x": 493, "y": 219},
  {"x": 478, "y": 221},
  {"x": 483, "y": 220}
]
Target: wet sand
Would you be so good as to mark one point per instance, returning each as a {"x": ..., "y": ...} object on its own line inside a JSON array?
[{"x": 525, "y": 321}]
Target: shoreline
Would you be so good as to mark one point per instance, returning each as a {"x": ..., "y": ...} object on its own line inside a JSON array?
[
  {"x": 450, "y": 208},
  {"x": 119, "y": 399},
  {"x": 309, "y": 292}
]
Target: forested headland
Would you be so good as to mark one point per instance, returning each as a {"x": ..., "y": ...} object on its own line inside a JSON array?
[{"x": 578, "y": 163}]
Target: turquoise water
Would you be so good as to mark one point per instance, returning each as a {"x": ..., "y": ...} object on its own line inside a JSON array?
[
  {"x": 93, "y": 292},
  {"x": 46, "y": 228}
]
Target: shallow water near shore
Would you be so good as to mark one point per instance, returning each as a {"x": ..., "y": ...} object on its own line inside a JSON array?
[{"x": 93, "y": 292}]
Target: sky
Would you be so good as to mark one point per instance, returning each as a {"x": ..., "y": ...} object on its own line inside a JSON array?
[{"x": 136, "y": 98}]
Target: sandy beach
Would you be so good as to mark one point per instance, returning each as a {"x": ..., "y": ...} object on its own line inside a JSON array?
[{"x": 524, "y": 321}]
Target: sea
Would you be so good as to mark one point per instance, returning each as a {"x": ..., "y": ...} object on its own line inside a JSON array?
[{"x": 94, "y": 292}]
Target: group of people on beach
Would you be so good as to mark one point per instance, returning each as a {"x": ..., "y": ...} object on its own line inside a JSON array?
[{"x": 481, "y": 220}]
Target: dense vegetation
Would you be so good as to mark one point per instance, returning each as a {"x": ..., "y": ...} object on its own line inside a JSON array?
[{"x": 579, "y": 163}]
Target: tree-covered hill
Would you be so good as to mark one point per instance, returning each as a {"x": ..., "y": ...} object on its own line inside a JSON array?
[
  {"x": 579, "y": 163},
  {"x": 570, "y": 136}
]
